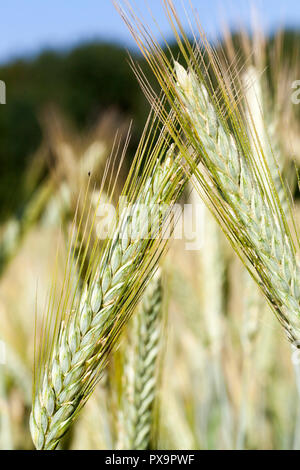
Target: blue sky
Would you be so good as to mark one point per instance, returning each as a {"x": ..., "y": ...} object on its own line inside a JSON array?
[{"x": 27, "y": 26}]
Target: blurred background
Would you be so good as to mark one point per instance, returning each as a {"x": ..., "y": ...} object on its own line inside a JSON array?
[
  {"x": 75, "y": 59},
  {"x": 69, "y": 89}
]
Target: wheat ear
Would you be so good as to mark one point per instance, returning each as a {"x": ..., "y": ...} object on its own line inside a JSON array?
[
  {"x": 69, "y": 374},
  {"x": 16, "y": 229},
  {"x": 235, "y": 181},
  {"x": 142, "y": 368},
  {"x": 256, "y": 220}
]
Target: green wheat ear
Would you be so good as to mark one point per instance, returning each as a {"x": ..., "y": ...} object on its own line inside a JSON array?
[
  {"x": 78, "y": 334},
  {"x": 234, "y": 178},
  {"x": 247, "y": 196}
]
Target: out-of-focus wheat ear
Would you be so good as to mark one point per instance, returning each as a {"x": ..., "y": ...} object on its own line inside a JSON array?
[
  {"x": 214, "y": 311},
  {"x": 263, "y": 132},
  {"x": 17, "y": 228},
  {"x": 211, "y": 276},
  {"x": 141, "y": 369},
  {"x": 254, "y": 308}
]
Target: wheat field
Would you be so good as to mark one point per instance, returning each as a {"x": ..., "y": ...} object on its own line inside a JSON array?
[{"x": 177, "y": 324}]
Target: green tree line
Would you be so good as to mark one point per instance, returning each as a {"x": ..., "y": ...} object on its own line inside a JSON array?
[{"x": 82, "y": 83}]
